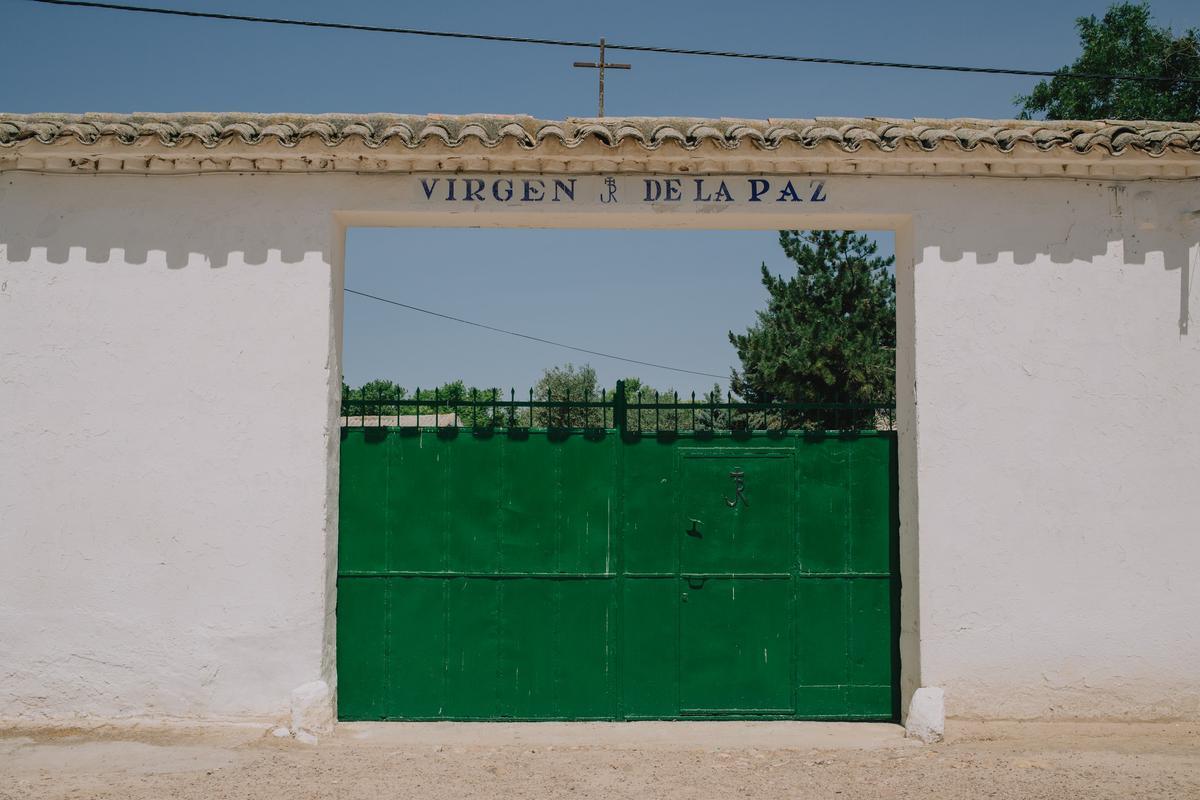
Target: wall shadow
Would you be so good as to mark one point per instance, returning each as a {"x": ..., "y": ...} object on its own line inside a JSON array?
[{"x": 1143, "y": 233}]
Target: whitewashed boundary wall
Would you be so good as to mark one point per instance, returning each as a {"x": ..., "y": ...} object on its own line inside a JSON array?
[{"x": 169, "y": 371}]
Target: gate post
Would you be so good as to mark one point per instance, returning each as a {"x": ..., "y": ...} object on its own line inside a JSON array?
[{"x": 619, "y": 413}]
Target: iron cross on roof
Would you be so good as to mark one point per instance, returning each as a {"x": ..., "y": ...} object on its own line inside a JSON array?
[{"x": 602, "y": 65}]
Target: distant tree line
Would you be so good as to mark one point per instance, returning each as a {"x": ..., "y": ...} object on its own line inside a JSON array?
[{"x": 568, "y": 385}]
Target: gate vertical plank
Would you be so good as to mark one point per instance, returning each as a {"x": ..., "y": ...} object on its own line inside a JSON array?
[
  {"x": 650, "y": 649},
  {"x": 869, "y": 690},
  {"x": 416, "y": 501},
  {"x": 361, "y": 631},
  {"x": 650, "y": 537},
  {"x": 362, "y": 502},
  {"x": 585, "y": 505},
  {"x": 873, "y": 610},
  {"x": 584, "y": 667},
  {"x": 823, "y": 625},
  {"x": 527, "y": 648},
  {"x": 473, "y": 480},
  {"x": 650, "y": 599},
  {"x": 823, "y": 508},
  {"x": 416, "y": 647},
  {"x": 362, "y": 669},
  {"x": 529, "y": 514},
  {"x": 472, "y": 642},
  {"x": 869, "y": 494}
]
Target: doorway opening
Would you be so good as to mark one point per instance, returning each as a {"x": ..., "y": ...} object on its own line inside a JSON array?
[{"x": 601, "y": 545}]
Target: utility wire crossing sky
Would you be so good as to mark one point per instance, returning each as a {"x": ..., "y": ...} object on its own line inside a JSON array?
[
  {"x": 632, "y": 48},
  {"x": 535, "y": 338}
]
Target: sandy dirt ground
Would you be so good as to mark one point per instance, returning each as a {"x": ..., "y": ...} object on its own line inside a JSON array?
[{"x": 691, "y": 761}]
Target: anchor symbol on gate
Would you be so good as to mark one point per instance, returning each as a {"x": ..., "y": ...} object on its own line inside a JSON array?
[{"x": 739, "y": 489}]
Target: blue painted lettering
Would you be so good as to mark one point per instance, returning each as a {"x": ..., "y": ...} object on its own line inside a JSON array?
[
  {"x": 474, "y": 189},
  {"x": 533, "y": 193},
  {"x": 567, "y": 187},
  {"x": 706, "y": 189},
  {"x": 502, "y": 190},
  {"x": 788, "y": 193}
]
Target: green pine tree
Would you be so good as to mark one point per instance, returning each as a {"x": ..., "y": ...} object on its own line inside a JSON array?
[
  {"x": 1125, "y": 42},
  {"x": 828, "y": 334}
]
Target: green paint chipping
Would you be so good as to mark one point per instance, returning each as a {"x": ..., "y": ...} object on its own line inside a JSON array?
[{"x": 537, "y": 575}]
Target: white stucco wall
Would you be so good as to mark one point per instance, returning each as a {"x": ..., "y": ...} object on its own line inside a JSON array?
[
  {"x": 1059, "y": 457},
  {"x": 165, "y": 358},
  {"x": 168, "y": 359}
]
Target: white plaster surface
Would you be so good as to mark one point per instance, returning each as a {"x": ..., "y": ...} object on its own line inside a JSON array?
[
  {"x": 926, "y": 718},
  {"x": 312, "y": 708},
  {"x": 164, "y": 363},
  {"x": 168, "y": 376},
  {"x": 1059, "y": 455}
]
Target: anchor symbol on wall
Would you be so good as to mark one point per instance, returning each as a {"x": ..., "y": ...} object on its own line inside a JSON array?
[{"x": 739, "y": 489}]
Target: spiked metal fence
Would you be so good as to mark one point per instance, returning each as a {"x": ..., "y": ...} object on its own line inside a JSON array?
[{"x": 628, "y": 413}]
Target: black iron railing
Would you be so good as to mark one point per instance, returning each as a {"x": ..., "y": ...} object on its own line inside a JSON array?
[{"x": 626, "y": 412}]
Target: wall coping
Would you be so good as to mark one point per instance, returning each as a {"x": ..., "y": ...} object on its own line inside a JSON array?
[{"x": 371, "y": 143}]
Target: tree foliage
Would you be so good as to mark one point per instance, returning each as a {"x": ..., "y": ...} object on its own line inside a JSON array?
[
  {"x": 570, "y": 385},
  {"x": 378, "y": 398},
  {"x": 828, "y": 333},
  {"x": 1124, "y": 41},
  {"x": 688, "y": 414},
  {"x": 567, "y": 384}
]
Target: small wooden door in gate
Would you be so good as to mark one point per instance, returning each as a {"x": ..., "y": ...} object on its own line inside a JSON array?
[{"x": 737, "y": 553}]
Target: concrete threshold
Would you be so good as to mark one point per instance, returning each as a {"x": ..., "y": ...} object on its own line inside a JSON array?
[{"x": 683, "y": 735}]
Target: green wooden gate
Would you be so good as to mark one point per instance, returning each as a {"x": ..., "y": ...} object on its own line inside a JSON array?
[{"x": 605, "y": 574}]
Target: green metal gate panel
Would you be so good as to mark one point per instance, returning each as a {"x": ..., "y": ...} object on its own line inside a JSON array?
[
  {"x": 545, "y": 575},
  {"x": 736, "y": 555}
]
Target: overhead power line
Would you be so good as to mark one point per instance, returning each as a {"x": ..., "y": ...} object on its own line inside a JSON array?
[
  {"x": 532, "y": 338},
  {"x": 631, "y": 48}
]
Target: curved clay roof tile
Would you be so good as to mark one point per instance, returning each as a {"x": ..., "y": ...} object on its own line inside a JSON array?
[
  {"x": 547, "y": 132},
  {"x": 703, "y": 132},
  {"x": 605, "y": 135},
  {"x": 850, "y": 135}
]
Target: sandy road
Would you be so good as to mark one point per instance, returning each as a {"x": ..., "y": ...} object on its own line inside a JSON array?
[{"x": 690, "y": 761}]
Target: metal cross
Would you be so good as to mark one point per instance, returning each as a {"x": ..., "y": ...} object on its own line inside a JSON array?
[{"x": 602, "y": 65}]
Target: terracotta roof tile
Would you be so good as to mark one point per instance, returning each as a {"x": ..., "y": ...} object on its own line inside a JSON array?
[{"x": 380, "y": 130}]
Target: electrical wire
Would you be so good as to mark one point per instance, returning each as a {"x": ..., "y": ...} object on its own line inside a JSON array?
[
  {"x": 532, "y": 338},
  {"x": 631, "y": 48}
]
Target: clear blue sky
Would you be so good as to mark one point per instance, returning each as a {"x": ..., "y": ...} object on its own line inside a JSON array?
[{"x": 665, "y": 296}]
